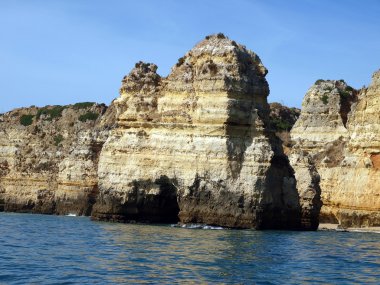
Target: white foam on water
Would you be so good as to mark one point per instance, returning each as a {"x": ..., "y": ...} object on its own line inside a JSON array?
[
  {"x": 364, "y": 231},
  {"x": 197, "y": 226}
]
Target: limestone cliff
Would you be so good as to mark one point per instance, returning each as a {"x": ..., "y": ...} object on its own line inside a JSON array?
[
  {"x": 49, "y": 158},
  {"x": 282, "y": 120},
  {"x": 339, "y": 128},
  {"x": 324, "y": 113},
  {"x": 196, "y": 145}
]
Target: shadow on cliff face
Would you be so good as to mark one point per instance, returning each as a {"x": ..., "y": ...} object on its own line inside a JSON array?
[
  {"x": 348, "y": 97},
  {"x": 289, "y": 203},
  {"x": 238, "y": 132},
  {"x": 280, "y": 203},
  {"x": 147, "y": 202},
  {"x": 213, "y": 203},
  {"x": 280, "y": 207}
]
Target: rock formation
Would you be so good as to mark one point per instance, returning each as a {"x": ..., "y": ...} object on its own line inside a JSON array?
[
  {"x": 49, "y": 158},
  {"x": 197, "y": 145},
  {"x": 324, "y": 113},
  {"x": 282, "y": 119},
  {"x": 339, "y": 128}
]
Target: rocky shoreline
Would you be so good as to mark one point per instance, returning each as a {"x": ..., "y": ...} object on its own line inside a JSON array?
[
  {"x": 200, "y": 146},
  {"x": 338, "y": 228}
]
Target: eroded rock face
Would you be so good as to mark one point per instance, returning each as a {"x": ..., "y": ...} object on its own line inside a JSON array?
[
  {"x": 49, "y": 158},
  {"x": 282, "y": 120},
  {"x": 195, "y": 146},
  {"x": 344, "y": 146},
  {"x": 324, "y": 113}
]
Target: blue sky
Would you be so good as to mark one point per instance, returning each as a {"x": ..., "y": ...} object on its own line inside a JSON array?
[{"x": 62, "y": 52}]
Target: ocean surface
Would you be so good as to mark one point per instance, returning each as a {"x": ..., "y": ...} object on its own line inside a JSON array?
[{"x": 38, "y": 249}]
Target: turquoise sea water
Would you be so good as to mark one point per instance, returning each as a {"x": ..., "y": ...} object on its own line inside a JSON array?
[{"x": 38, "y": 249}]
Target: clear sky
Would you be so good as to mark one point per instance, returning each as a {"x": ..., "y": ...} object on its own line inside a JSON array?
[{"x": 62, "y": 52}]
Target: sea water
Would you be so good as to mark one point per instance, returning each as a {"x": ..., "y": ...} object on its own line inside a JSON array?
[{"x": 38, "y": 249}]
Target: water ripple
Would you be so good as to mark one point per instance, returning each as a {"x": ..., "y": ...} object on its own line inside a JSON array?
[{"x": 36, "y": 249}]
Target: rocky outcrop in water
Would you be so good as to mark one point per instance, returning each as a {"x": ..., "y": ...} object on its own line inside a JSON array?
[
  {"x": 49, "y": 158},
  {"x": 197, "y": 146},
  {"x": 339, "y": 129}
]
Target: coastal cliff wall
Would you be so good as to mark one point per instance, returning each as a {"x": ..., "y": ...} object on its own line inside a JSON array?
[
  {"x": 196, "y": 146},
  {"x": 339, "y": 128},
  {"x": 49, "y": 158}
]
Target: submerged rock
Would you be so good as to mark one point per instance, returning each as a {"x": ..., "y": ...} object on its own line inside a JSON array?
[{"x": 197, "y": 146}]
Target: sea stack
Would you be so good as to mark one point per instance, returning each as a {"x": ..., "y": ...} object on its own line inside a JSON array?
[
  {"x": 196, "y": 147},
  {"x": 339, "y": 128}
]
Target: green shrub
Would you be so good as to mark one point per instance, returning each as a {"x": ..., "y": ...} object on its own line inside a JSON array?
[
  {"x": 220, "y": 36},
  {"x": 325, "y": 99},
  {"x": 83, "y": 105},
  {"x": 181, "y": 60},
  {"x": 89, "y": 116},
  {"x": 58, "y": 139},
  {"x": 51, "y": 113},
  {"x": 344, "y": 94},
  {"x": 318, "y": 81},
  {"x": 26, "y": 120},
  {"x": 294, "y": 111},
  {"x": 349, "y": 89},
  {"x": 280, "y": 125}
]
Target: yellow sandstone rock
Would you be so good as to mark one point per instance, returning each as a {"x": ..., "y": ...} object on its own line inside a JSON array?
[
  {"x": 194, "y": 147},
  {"x": 48, "y": 159},
  {"x": 345, "y": 148},
  {"x": 196, "y": 144}
]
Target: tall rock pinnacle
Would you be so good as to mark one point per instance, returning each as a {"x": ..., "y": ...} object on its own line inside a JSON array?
[{"x": 194, "y": 147}]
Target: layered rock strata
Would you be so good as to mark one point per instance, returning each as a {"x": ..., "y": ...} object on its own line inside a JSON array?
[
  {"x": 49, "y": 158},
  {"x": 339, "y": 128},
  {"x": 196, "y": 146}
]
